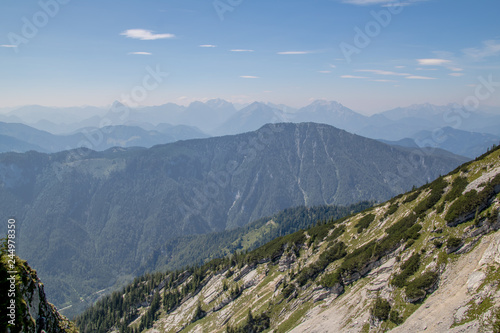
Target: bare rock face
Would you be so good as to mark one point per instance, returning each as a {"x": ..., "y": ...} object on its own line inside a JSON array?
[
  {"x": 286, "y": 261},
  {"x": 324, "y": 293},
  {"x": 475, "y": 280},
  {"x": 463, "y": 287},
  {"x": 492, "y": 253},
  {"x": 245, "y": 270}
]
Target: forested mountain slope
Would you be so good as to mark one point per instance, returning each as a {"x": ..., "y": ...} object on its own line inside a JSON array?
[
  {"x": 16, "y": 137},
  {"x": 89, "y": 219},
  {"x": 197, "y": 249},
  {"x": 426, "y": 260}
]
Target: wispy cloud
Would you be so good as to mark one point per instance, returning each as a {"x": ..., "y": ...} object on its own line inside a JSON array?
[
  {"x": 140, "y": 53},
  {"x": 353, "y": 77},
  {"x": 398, "y": 4},
  {"x": 382, "y": 72},
  {"x": 145, "y": 34},
  {"x": 456, "y": 74},
  {"x": 490, "y": 48},
  {"x": 295, "y": 52},
  {"x": 241, "y": 50},
  {"x": 416, "y": 77},
  {"x": 249, "y": 77},
  {"x": 438, "y": 62},
  {"x": 433, "y": 62},
  {"x": 367, "y": 2},
  {"x": 383, "y": 80},
  {"x": 399, "y": 67},
  {"x": 332, "y": 66},
  {"x": 383, "y": 3},
  {"x": 207, "y": 45},
  {"x": 8, "y": 45}
]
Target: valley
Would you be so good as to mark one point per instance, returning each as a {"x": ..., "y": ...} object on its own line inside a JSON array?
[
  {"x": 89, "y": 220},
  {"x": 408, "y": 264}
]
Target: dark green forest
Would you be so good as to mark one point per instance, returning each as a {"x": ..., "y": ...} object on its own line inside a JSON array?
[{"x": 197, "y": 249}]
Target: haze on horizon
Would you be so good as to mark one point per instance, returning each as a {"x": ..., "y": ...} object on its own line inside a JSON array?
[{"x": 369, "y": 55}]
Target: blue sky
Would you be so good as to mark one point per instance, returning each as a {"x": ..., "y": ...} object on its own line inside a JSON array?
[{"x": 282, "y": 51}]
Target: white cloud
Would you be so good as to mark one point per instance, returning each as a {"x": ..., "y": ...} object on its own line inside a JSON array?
[
  {"x": 490, "y": 48},
  {"x": 367, "y": 2},
  {"x": 208, "y": 45},
  {"x": 140, "y": 53},
  {"x": 332, "y": 66},
  {"x": 384, "y": 3},
  {"x": 416, "y": 77},
  {"x": 456, "y": 74},
  {"x": 324, "y": 72},
  {"x": 433, "y": 62},
  {"x": 295, "y": 52},
  {"x": 249, "y": 77},
  {"x": 397, "y": 4},
  {"x": 241, "y": 50},
  {"x": 438, "y": 62},
  {"x": 399, "y": 67},
  {"x": 353, "y": 77},
  {"x": 382, "y": 80},
  {"x": 145, "y": 34},
  {"x": 8, "y": 45},
  {"x": 381, "y": 72}
]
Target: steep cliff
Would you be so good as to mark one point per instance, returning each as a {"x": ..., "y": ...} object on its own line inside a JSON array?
[{"x": 24, "y": 307}]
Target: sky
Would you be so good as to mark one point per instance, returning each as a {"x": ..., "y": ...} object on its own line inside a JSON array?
[{"x": 370, "y": 55}]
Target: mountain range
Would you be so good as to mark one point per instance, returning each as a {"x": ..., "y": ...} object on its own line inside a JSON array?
[
  {"x": 18, "y": 137},
  {"x": 88, "y": 219},
  {"x": 147, "y": 126}
]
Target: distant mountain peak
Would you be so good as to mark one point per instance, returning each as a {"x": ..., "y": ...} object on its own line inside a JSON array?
[
  {"x": 117, "y": 105},
  {"x": 324, "y": 102},
  {"x": 217, "y": 102},
  {"x": 328, "y": 107},
  {"x": 282, "y": 107},
  {"x": 421, "y": 105},
  {"x": 196, "y": 103},
  {"x": 259, "y": 105}
]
